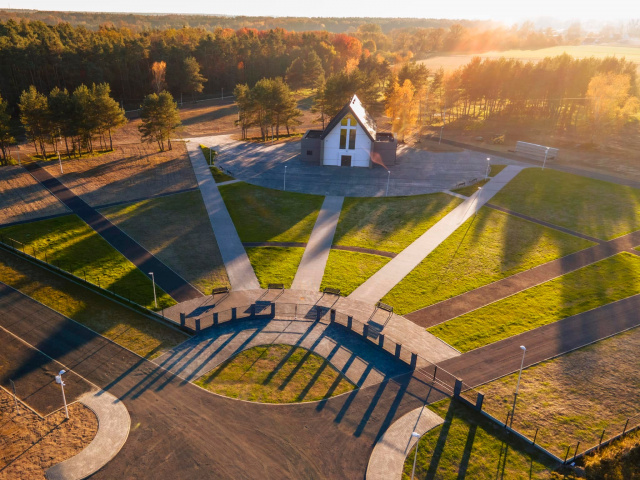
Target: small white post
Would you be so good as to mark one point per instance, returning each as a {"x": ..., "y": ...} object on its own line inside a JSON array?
[
  {"x": 486, "y": 175},
  {"x": 388, "y": 180},
  {"x": 285, "y": 179},
  {"x": 524, "y": 351},
  {"x": 153, "y": 280},
  {"x": 15, "y": 397},
  {"x": 546, "y": 152},
  {"x": 60, "y": 162},
  {"x": 64, "y": 399},
  {"x": 415, "y": 455},
  {"x": 441, "y": 129}
]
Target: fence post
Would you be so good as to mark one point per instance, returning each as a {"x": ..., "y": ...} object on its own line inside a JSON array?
[
  {"x": 435, "y": 371},
  {"x": 577, "y": 446},
  {"x": 252, "y": 310},
  {"x": 318, "y": 313},
  {"x": 333, "y": 315},
  {"x": 457, "y": 388},
  {"x": 197, "y": 324},
  {"x": 381, "y": 340},
  {"x": 233, "y": 313},
  {"x": 567, "y": 455},
  {"x": 215, "y": 318},
  {"x": 535, "y": 436},
  {"x": 398, "y": 349},
  {"x": 625, "y": 427},
  {"x": 601, "y": 437},
  {"x": 273, "y": 310},
  {"x": 365, "y": 330},
  {"x": 506, "y": 423},
  {"x": 414, "y": 360},
  {"x": 183, "y": 320},
  {"x": 479, "y": 400},
  {"x": 349, "y": 322}
]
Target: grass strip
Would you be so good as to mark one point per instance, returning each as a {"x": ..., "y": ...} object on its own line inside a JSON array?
[
  {"x": 348, "y": 270},
  {"x": 275, "y": 264}
]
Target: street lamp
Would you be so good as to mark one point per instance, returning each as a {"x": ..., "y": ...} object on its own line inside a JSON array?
[
  {"x": 546, "y": 152},
  {"x": 64, "y": 399},
  {"x": 60, "y": 162},
  {"x": 415, "y": 454},
  {"x": 153, "y": 280},
  {"x": 388, "y": 180},
  {"x": 284, "y": 180},
  {"x": 486, "y": 175},
  {"x": 515, "y": 397}
]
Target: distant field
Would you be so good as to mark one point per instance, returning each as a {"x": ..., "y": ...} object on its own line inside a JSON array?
[{"x": 451, "y": 62}]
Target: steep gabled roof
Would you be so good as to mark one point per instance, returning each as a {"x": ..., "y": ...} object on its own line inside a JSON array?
[{"x": 354, "y": 107}]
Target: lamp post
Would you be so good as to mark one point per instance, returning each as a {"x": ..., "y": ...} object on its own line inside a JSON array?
[
  {"x": 388, "y": 180},
  {"x": 64, "y": 399},
  {"x": 153, "y": 280},
  {"x": 415, "y": 454},
  {"x": 515, "y": 397},
  {"x": 284, "y": 179},
  {"x": 60, "y": 162},
  {"x": 486, "y": 175},
  {"x": 546, "y": 152}
]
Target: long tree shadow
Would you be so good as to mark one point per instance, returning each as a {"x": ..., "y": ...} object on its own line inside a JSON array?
[{"x": 440, "y": 444}]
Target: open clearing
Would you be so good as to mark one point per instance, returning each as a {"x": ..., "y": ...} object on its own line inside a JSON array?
[
  {"x": 265, "y": 215},
  {"x": 348, "y": 270},
  {"x": 29, "y": 444},
  {"x": 489, "y": 246},
  {"x": 600, "y": 209},
  {"x": 139, "y": 334},
  {"x": 129, "y": 173},
  {"x": 574, "y": 397},
  {"x": 275, "y": 264},
  {"x": 603, "y": 282},
  {"x": 177, "y": 230},
  {"x": 22, "y": 198},
  {"x": 276, "y": 374},
  {"x": 390, "y": 224},
  {"x": 73, "y": 246},
  {"x": 468, "y": 445}
]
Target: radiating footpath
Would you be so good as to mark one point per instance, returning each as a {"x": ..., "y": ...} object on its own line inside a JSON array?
[
  {"x": 166, "y": 278},
  {"x": 314, "y": 260},
  {"x": 378, "y": 285},
  {"x": 239, "y": 269}
]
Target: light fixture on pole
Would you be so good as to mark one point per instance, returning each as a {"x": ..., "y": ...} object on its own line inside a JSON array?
[
  {"x": 284, "y": 180},
  {"x": 415, "y": 454},
  {"x": 486, "y": 175},
  {"x": 515, "y": 397},
  {"x": 64, "y": 399},
  {"x": 155, "y": 298},
  {"x": 546, "y": 152},
  {"x": 388, "y": 180},
  {"x": 60, "y": 162}
]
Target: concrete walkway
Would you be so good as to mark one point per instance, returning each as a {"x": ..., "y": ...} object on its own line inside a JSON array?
[
  {"x": 361, "y": 362},
  {"x": 239, "y": 269},
  {"x": 314, "y": 260},
  {"x": 114, "y": 424},
  {"x": 378, "y": 285},
  {"x": 390, "y": 451}
]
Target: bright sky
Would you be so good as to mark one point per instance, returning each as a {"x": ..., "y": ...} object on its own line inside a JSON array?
[{"x": 503, "y": 10}]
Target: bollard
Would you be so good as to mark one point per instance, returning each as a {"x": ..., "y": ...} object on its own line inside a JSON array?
[
  {"x": 625, "y": 427},
  {"x": 215, "y": 318},
  {"x": 273, "y": 310},
  {"x": 183, "y": 320},
  {"x": 318, "y": 313},
  {"x": 233, "y": 313},
  {"x": 333, "y": 315},
  {"x": 349, "y": 322},
  {"x": 398, "y": 349},
  {"x": 479, "y": 400},
  {"x": 197, "y": 324},
  {"x": 601, "y": 437},
  {"x": 457, "y": 388},
  {"x": 381, "y": 340},
  {"x": 365, "y": 330},
  {"x": 435, "y": 372},
  {"x": 535, "y": 436},
  {"x": 252, "y": 310},
  {"x": 414, "y": 360}
]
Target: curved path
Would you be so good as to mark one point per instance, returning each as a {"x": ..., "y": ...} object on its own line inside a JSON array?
[
  {"x": 113, "y": 429},
  {"x": 392, "y": 448}
]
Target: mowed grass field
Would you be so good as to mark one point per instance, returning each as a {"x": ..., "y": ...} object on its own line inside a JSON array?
[
  {"x": 348, "y": 270},
  {"x": 177, "y": 230},
  {"x": 489, "y": 246},
  {"x": 598, "y": 284},
  {"x": 276, "y": 374},
  {"x": 452, "y": 62},
  {"x": 275, "y": 264},
  {"x": 573, "y": 397},
  {"x": 390, "y": 224},
  {"x": 73, "y": 246},
  {"x": 125, "y": 327},
  {"x": 468, "y": 445},
  {"x": 265, "y": 215},
  {"x": 593, "y": 207}
]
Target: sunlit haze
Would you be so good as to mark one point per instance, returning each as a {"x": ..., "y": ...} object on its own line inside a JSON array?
[{"x": 503, "y": 10}]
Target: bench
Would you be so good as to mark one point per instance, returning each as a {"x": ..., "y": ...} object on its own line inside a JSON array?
[
  {"x": 461, "y": 184},
  {"x": 385, "y": 307},
  {"x": 275, "y": 286},
  {"x": 220, "y": 290},
  {"x": 332, "y": 291},
  {"x": 538, "y": 152}
]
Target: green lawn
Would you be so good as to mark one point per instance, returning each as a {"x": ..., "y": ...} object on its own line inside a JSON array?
[
  {"x": 390, "y": 223},
  {"x": 593, "y": 207},
  {"x": 275, "y": 264},
  {"x": 575, "y": 396},
  {"x": 489, "y": 246},
  {"x": 496, "y": 169},
  {"x": 262, "y": 215},
  {"x": 348, "y": 270},
  {"x": 177, "y": 230},
  {"x": 597, "y": 284},
  {"x": 116, "y": 322},
  {"x": 471, "y": 189},
  {"x": 276, "y": 374},
  {"x": 218, "y": 175},
  {"x": 72, "y": 245},
  {"x": 468, "y": 445}
]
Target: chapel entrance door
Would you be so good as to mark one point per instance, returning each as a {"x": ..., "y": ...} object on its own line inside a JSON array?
[{"x": 345, "y": 161}]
